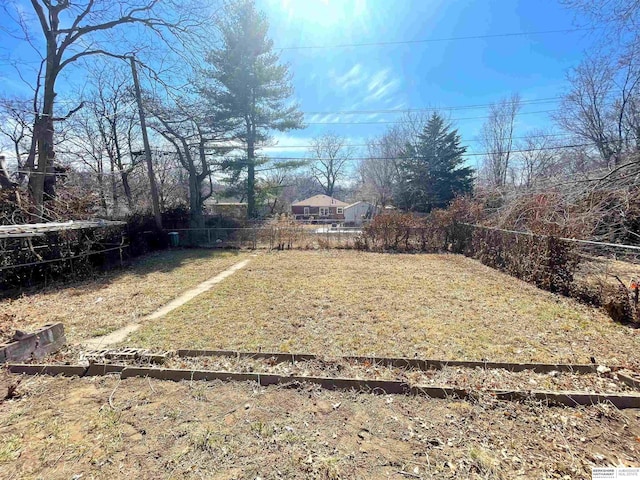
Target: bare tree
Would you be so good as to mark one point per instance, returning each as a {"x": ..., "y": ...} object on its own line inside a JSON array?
[
  {"x": 172, "y": 180},
  {"x": 272, "y": 186},
  {"x": 620, "y": 20},
  {"x": 75, "y": 30},
  {"x": 379, "y": 171},
  {"x": 103, "y": 138},
  {"x": 601, "y": 107},
  {"x": 537, "y": 159},
  {"x": 188, "y": 129},
  {"x": 88, "y": 148},
  {"x": 113, "y": 107},
  {"x": 497, "y": 139},
  {"x": 16, "y": 127},
  {"x": 330, "y": 156}
]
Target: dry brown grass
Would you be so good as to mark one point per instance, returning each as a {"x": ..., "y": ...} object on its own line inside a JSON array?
[
  {"x": 345, "y": 302},
  {"x": 116, "y": 298},
  {"x": 326, "y": 302},
  {"x": 105, "y": 428}
]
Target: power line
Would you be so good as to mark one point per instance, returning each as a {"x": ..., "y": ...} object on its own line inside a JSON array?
[
  {"x": 552, "y": 135},
  {"x": 355, "y": 145},
  {"x": 307, "y": 159},
  {"x": 386, "y": 122},
  {"x": 436, "y": 40},
  {"x": 366, "y": 112},
  {"x": 396, "y": 42},
  {"x": 473, "y": 154},
  {"x": 435, "y": 108}
]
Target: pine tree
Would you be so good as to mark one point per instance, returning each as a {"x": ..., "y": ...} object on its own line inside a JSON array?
[
  {"x": 249, "y": 88},
  {"x": 432, "y": 171}
]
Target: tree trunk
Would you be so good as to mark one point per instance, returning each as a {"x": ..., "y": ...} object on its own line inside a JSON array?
[
  {"x": 127, "y": 189},
  {"x": 196, "y": 219},
  {"x": 155, "y": 200},
  {"x": 42, "y": 182},
  {"x": 103, "y": 197},
  {"x": 114, "y": 187},
  {"x": 251, "y": 179}
]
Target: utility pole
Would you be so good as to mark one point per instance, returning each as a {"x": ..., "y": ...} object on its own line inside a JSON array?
[{"x": 147, "y": 149}]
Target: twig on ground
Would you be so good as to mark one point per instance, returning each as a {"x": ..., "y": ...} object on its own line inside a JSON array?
[
  {"x": 151, "y": 386},
  {"x": 408, "y": 474},
  {"x": 112, "y": 393}
]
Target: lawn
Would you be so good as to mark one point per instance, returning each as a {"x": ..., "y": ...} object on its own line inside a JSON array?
[
  {"x": 116, "y": 298},
  {"x": 329, "y": 303},
  {"x": 104, "y": 428},
  {"x": 344, "y": 302}
]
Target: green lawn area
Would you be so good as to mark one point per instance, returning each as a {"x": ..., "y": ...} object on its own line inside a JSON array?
[{"x": 345, "y": 302}]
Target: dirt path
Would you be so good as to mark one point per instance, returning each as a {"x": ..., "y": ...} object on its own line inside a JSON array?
[{"x": 122, "y": 333}]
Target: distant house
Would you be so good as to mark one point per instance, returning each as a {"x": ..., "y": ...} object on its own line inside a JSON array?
[
  {"x": 319, "y": 208},
  {"x": 359, "y": 213}
]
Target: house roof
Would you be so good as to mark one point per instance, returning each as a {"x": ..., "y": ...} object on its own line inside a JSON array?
[
  {"x": 319, "y": 201},
  {"x": 358, "y": 203}
]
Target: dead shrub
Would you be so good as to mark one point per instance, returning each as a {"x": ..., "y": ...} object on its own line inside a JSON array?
[
  {"x": 65, "y": 254},
  {"x": 398, "y": 232},
  {"x": 616, "y": 303},
  {"x": 547, "y": 262}
]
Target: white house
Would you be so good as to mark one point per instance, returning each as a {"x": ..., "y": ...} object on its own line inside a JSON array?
[{"x": 358, "y": 213}]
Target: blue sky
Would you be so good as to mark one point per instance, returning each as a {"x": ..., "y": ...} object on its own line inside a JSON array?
[
  {"x": 416, "y": 75},
  {"x": 422, "y": 75}
]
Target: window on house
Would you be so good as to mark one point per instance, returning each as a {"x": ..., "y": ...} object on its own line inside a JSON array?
[
  {"x": 339, "y": 210},
  {"x": 324, "y": 211},
  {"x": 306, "y": 210}
]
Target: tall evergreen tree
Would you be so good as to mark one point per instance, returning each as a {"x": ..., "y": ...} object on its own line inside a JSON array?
[
  {"x": 431, "y": 171},
  {"x": 249, "y": 87}
]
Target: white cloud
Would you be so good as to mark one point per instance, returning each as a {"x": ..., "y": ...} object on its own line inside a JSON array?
[
  {"x": 352, "y": 78},
  {"x": 381, "y": 85}
]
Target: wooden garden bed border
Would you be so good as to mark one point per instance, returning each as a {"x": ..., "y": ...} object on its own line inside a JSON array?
[
  {"x": 571, "y": 399},
  {"x": 415, "y": 363}
]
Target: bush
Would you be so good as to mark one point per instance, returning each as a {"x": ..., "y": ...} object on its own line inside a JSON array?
[
  {"x": 222, "y": 221},
  {"x": 547, "y": 262},
  {"x": 144, "y": 236},
  {"x": 399, "y": 232},
  {"x": 176, "y": 217}
]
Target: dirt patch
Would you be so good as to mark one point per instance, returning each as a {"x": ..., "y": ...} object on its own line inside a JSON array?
[{"x": 140, "y": 428}]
